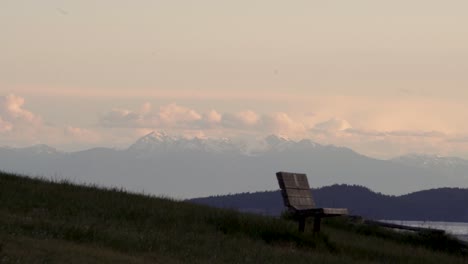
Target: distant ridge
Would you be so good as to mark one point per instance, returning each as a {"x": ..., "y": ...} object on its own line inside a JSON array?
[
  {"x": 442, "y": 204},
  {"x": 431, "y": 161}
]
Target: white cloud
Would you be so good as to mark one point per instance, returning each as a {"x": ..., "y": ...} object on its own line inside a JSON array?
[
  {"x": 5, "y": 126},
  {"x": 213, "y": 117},
  {"x": 175, "y": 115},
  {"x": 380, "y": 143},
  {"x": 21, "y": 127},
  {"x": 333, "y": 125},
  {"x": 182, "y": 119},
  {"x": 249, "y": 117},
  {"x": 282, "y": 123},
  {"x": 209, "y": 120},
  {"x": 11, "y": 107},
  {"x": 278, "y": 123},
  {"x": 13, "y": 116},
  {"x": 396, "y": 133},
  {"x": 241, "y": 120},
  {"x": 169, "y": 116},
  {"x": 417, "y": 133},
  {"x": 122, "y": 118},
  {"x": 459, "y": 139},
  {"x": 146, "y": 108}
]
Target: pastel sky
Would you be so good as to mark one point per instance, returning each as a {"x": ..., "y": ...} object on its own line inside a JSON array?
[{"x": 385, "y": 78}]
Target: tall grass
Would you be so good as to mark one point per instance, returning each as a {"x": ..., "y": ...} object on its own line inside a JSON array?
[{"x": 56, "y": 222}]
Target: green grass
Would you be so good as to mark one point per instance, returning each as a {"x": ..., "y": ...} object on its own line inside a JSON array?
[{"x": 47, "y": 222}]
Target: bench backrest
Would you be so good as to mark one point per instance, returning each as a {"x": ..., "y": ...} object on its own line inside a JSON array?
[{"x": 295, "y": 190}]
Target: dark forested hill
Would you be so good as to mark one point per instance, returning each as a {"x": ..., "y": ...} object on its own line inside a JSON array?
[{"x": 443, "y": 204}]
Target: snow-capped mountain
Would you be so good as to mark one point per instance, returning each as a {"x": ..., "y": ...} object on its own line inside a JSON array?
[
  {"x": 40, "y": 149},
  {"x": 37, "y": 150},
  {"x": 160, "y": 142},
  {"x": 154, "y": 141},
  {"x": 277, "y": 143},
  {"x": 177, "y": 166}
]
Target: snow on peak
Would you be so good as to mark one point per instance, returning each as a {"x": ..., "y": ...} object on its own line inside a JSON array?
[
  {"x": 40, "y": 149},
  {"x": 160, "y": 141},
  {"x": 274, "y": 140},
  {"x": 156, "y": 137},
  {"x": 153, "y": 141},
  {"x": 280, "y": 143}
]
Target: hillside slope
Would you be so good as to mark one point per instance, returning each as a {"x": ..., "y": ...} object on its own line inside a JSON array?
[{"x": 45, "y": 222}]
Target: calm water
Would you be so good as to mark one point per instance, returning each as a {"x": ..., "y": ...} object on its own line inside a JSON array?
[{"x": 459, "y": 230}]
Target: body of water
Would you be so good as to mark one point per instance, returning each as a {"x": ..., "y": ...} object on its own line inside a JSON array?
[{"x": 460, "y": 230}]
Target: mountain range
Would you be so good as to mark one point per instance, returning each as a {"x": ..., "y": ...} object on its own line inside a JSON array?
[{"x": 179, "y": 167}]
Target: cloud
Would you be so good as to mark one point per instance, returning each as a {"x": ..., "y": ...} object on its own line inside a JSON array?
[
  {"x": 122, "y": 118},
  {"x": 282, "y": 123},
  {"x": 212, "y": 117},
  {"x": 332, "y": 125},
  {"x": 171, "y": 115},
  {"x": 146, "y": 108},
  {"x": 396, "y": 133},
  {"x": 11, "y": 107},
  {"x": 458, "y": 139},
  {"x": 209, "y": 120},
  {"x": 17, "y": 124},
  {"x": 241, "y": 120},
  {"x": 81, "y": 134},
  {"x": 13, "y": 116},
  {"x": 175, "y": 115},
  {"x": 5, "y": 126},
  {"x": 341, "y": 127},
  {"x": 277, "y": 123},
  {"x": 423, "y": 134},
  {"x": 379, "y": 143},
  {"x": 21, "y": 127}
]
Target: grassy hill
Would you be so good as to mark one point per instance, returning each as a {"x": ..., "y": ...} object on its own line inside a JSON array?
[{"x": 47, "y": 222}]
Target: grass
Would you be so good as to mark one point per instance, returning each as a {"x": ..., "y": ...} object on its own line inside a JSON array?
[{"x": 59, "y": 222}]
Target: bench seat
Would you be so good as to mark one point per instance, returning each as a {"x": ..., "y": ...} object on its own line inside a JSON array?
[{"x": 324, "y": 212}]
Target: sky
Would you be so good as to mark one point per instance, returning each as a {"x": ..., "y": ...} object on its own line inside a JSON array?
[{"x": 385, "y": 78}]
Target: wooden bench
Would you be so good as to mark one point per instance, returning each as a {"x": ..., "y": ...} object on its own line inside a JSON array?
[{"x": 297, "y": 196}]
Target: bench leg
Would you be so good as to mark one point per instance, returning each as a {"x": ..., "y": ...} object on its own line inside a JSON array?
[
  {"x": 301, "y": 224},
  {"x": 317, "y": 220}
]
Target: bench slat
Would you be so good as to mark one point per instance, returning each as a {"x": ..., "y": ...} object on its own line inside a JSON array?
[
  {"x": 295, "y": 190},
  {"x": 298, "y": 193},
  {"x": 292, "y": 180}
]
